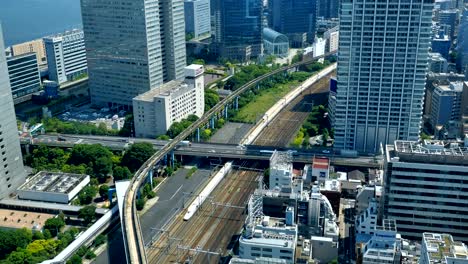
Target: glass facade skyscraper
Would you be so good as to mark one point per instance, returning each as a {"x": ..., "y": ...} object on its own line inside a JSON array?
[
  {"x": 239, "y": 26},
  {"x": 382, "y": 64},
  {"x": 293, "y": 16},
  {"x": 132, "y": 46}
]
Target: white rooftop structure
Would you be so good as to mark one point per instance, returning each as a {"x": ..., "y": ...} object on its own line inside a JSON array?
[
  {"x": 271, "y": 238},
  {"x": 55, "y": 187},
  {"x": 440, "y": 248},
  {"x": 281, "y": 170}
]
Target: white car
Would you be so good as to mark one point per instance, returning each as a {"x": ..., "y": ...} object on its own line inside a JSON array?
[{"x": 326, "y": 151}]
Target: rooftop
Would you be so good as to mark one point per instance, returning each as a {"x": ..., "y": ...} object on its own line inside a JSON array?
[
  {"x": 165, "y": 89},
  {"x": 320, "y": 163},
  {"x": 269, "y": 231},
  {"x": 428, "y": 151},
  {"x": 54, "y": 182},
  {"x": 441, "y": 246},
  {"x": 332, "y": 185},
  {"x": 451, "y": 87},
  {"x": 281, "y": 160}
]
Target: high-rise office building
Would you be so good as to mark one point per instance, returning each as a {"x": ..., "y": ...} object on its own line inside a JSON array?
[
  {"x": 66, "y": 56},
  {"x": 238, "y": 28},
  {"x": 426, "y": 187},
  {"x": 197, "y": 17},
  {"x": 328, "y": 9},
  {"x": 12, "y": 173},
  {"x": 382, "y": 64},
  {"x": 132, "y": 46},
  {"x": 294, "y": 17}
]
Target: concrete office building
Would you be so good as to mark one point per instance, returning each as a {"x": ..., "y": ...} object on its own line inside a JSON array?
[
  {"x": 156, "y": 110},
  {"x": 197, "y": 17},
  {"x": 35, "y": 46},
  {"x": 437, "y": 63},
  {"x": 294, "y": 18},
  {"x": 66, "y": 56},
  {"x": 132, "y": 47},
  {"x": 381, "y": 72},
  {"x": 442, "y": 249},
  {"x": 24, "y": 75},
  {"x": 12, "y": 173},
  {"x": 426, "y": 188},
  {"x": 446, "y": 104},
  {"x": 238, "y": 28},
  {"x": 281, "y": 170}
]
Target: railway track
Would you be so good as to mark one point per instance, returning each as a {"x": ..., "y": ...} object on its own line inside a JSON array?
[
  {"x": 284, "y": 127},
  {"x": 211, "y": 228}
]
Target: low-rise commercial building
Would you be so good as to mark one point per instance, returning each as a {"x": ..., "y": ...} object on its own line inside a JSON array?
[
  {"x": 320, "y": 169},
  {"x": 23, "y": 71},
  {"x": 270, "y": 238},
  {"x": 437, "y": 63},
  {"x": 156, "y": 110},
  {"x": 332, "y": 36},
  {"x": 426, "y": 188},
  {"x": 55, "y": 187},
  {"x": 66, "y": 56},
  {"x": 442, "y": 249}
]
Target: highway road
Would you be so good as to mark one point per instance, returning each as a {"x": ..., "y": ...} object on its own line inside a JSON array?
[{"x": 252, "y": 152}]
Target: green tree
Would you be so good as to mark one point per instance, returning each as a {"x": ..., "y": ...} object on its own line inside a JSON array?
[
  {"x": 100, "y": 239},
  {"x": 140, "y": 204},
  {"x": 75, "y": 259},
  {"x": 121, "y": 173},
  {"x": 37, "y": 235},
  {"x": 47, "y": 234},
  {"x": 199, "y": 62},
  {"x": 205, "y": 134},
  {"x": 175, "y": 129},
  {"x": 425, "y": 136},
  {"x": 20, "y": 256},
  {"x": 96, "y": 157},
  {"x": 87, "y": 213},
  {"x": 87, "y": 195},
  {"x": 54, "y": 225},
  {"x": 138, "y": 154},
  {"x": 211, "y": 99},
  {"x": 169, "y": 171},
  {"x": 12, "y": 239},
  {"x": 220, "y": 123},
  {"x": 163, "y": 137},
  {"x": 103, "y": 191},
  {"x": 128, "y": 127},
  {"x": 192, "y": 118}
]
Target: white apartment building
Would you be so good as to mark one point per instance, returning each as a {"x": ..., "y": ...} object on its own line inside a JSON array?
[
  {"x": 384, "y": 246},
  {"x": 270, "y": 238},
  {"x": 66, "y": 56},
  {"x": 156, "y": 110},
  {"x": 366, "y": 222},
  {"x": 281, "y": 170},
  {"x": 382, "y": 64},
  {"x": 319, "y": 47},
  {"x": 426, "y": 188},
  {"x": 441, "y": 249}
]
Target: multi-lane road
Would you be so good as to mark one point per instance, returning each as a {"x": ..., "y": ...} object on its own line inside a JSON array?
[{"x": 247, "y": 152}]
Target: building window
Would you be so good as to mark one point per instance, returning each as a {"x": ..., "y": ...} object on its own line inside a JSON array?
[
  {"x": 255, "y": 255},
  {"x": 267, "y": 249},
  {"x": 256, "y": 249}
]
